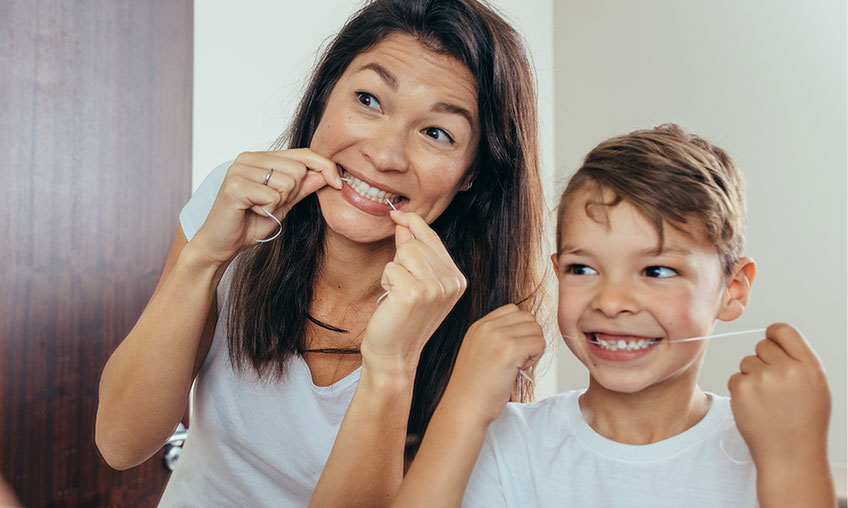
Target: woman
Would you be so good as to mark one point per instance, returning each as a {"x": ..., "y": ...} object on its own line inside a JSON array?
[{"x": 426, "y": 106}]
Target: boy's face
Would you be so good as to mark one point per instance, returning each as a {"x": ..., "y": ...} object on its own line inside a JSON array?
[{"x": 620, "y": 300}]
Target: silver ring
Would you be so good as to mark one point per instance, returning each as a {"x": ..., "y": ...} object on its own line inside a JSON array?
[{"x": 268, "y": 176}]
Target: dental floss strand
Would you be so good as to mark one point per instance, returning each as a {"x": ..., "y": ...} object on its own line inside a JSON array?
[
  {"x": 279, "y": 227},
  {"x": 380, "y": 298}
]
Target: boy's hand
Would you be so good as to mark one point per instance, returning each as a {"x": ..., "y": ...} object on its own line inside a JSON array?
[
  {"x": 781, "y": 402},
  {"x": 494, "y": 349}
]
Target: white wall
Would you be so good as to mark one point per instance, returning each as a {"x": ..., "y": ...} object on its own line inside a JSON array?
[
  {"x": 767, "y": 81},
  {"x": 253, "y": 58}
]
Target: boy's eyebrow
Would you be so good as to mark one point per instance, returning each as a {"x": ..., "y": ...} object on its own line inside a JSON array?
[
  {"x": 656, "y": 251},
  {"x": 650, "y": 251}
]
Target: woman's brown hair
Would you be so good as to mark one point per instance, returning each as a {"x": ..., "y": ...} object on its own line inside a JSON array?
[{"x": 492, "y": 231}]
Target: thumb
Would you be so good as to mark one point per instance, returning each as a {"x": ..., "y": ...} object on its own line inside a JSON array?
[
  {"x": 311, "y": 182},
  {"x": 402, "y": 235}
]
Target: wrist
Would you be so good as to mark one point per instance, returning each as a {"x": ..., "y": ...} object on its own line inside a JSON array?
[
  {"x": 465, "y": 411},
  {"x": 389, "y": 369},
  {"x": 388, "y": 377},
  {"x": 193, "y": 260}
]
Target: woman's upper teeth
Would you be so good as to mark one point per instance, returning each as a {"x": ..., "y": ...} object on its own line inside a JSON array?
[{"x": 367, "y": 191}]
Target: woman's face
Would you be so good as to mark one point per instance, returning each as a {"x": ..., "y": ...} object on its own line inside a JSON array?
[{"x": 402, "y": 125}]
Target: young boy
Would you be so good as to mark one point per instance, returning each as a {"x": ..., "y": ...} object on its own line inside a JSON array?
[{"x": 649, "y": 242}]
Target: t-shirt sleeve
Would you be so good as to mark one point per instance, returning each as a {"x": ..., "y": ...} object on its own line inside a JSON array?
[
  {"x": 194, "y": 213},
  {"x": 485, "y": 489}
]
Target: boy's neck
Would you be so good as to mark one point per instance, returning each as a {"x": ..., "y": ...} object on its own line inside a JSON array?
[{"x": 654, "y": 414}]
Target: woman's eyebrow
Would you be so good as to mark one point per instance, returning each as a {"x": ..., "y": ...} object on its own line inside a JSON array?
[
  {"x": 444, "y": 107},
  {"x": 439, "y": 107},
  {"x": 386, "y": 76}
]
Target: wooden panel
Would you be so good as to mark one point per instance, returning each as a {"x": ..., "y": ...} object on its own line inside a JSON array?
[{"x": 95, "y": 144}]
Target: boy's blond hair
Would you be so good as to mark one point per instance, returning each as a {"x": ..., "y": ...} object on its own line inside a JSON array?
[{"x": 669, "y": 176}]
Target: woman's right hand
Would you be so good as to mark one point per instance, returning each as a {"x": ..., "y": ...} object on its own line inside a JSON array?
[
  {"x": 494, "y": 350},
  {"x": 236, "y": 220}
]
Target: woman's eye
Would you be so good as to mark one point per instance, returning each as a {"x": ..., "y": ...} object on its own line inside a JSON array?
[
  {"x": 660, "y": 272},
  {"x": 438, "y": 134},
  {"x": 368, "y": 100},
  {"x": 576, "y": 269}
]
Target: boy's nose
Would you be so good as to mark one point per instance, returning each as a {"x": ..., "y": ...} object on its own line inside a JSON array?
[
  {"x": 386, "y": 147},
  {"x": 613, "y": 299}
]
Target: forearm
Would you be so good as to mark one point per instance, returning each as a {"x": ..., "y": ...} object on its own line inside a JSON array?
[
  {"x": 144, "y": 386},
  {"x": 444, "y": 461},
  {"x": 802, "y": 480},
  {"x": 365, "y": 467}
]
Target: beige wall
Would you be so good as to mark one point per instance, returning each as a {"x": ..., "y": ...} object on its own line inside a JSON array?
[{"x": 767, "y": 81}]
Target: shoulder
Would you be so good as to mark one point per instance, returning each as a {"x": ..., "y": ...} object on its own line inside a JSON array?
[{"x": 195, "y": 211}]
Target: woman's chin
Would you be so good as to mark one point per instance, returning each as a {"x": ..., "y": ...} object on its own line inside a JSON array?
[{"x": 349, "y": 222}]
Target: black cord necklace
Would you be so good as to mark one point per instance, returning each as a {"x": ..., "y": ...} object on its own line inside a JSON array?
[
  {"x": 334, "y": 350},
  {"x": 325, "y": 325}
]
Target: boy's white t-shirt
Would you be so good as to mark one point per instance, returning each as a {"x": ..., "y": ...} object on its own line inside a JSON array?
[{"x": 544, "y": 454}]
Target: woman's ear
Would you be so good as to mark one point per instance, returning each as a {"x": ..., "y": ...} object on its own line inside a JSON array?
[{"x": 737, "y": 289}]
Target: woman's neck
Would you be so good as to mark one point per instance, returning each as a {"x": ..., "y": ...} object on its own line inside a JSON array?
[
  {"x": 349, "y": 277},
  {"x": 651, "y": 415}
]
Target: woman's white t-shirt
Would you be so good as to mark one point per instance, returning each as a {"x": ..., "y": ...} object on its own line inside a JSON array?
[{"x": 252, "y": 442}]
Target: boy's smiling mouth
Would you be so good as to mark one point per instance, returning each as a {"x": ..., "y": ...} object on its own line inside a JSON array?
[{"x": 620, "y": 342}]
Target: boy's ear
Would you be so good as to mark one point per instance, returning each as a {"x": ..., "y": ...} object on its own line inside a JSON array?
[
  {"x": 738, "y": 289},
  {"x": 554, "y": 258}
]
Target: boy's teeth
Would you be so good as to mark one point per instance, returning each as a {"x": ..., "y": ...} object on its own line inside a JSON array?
[
  {"x": 622, "y": 345},
  {"x": 366, "y": 191}
]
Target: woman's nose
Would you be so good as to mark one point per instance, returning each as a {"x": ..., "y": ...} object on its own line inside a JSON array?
[
  {"x": 614, "y": 298},
  {"x": 387, "y": 147}
]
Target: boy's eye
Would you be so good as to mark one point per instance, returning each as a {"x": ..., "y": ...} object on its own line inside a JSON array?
[
  {"x": 660, "y": 272},
  {"x": 438, "y": 134},
  {"x": 368, "y": 100},
  {"x": 576, "y": 269}
]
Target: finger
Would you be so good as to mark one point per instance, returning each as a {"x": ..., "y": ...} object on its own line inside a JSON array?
[
  {"x": 516, "y": 320},
  {"x": 420, "y": 230},
  {"x": 419, "y": 260},
  {"x": 770, "y": 352},
  {"x": 315, "y": 162},
  {"x": 402, "y": 235},
  {"x": 396, "y": 280},
  {"x": 311, "y": 183},
  {"x": 733, "y": 383},
  {"x": 247, "y": 194},
  {"x": 285, "y": 176},
  {"x": 751, "y": 364},
  {"x": 790, "y": 340},
  {"x": 294, "y": 162},
  {"x": 529, "y": 350},
  {"x": 500, "y": 311}
]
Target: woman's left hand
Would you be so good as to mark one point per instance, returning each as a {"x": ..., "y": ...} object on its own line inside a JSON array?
[{"x": 423, "y": 284}]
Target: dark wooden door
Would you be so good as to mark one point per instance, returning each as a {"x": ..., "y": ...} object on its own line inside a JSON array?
[{"x": 95, "y": 158}]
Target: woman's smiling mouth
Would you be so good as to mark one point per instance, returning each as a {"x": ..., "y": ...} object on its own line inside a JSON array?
[{"x": 368, "y": 191}]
